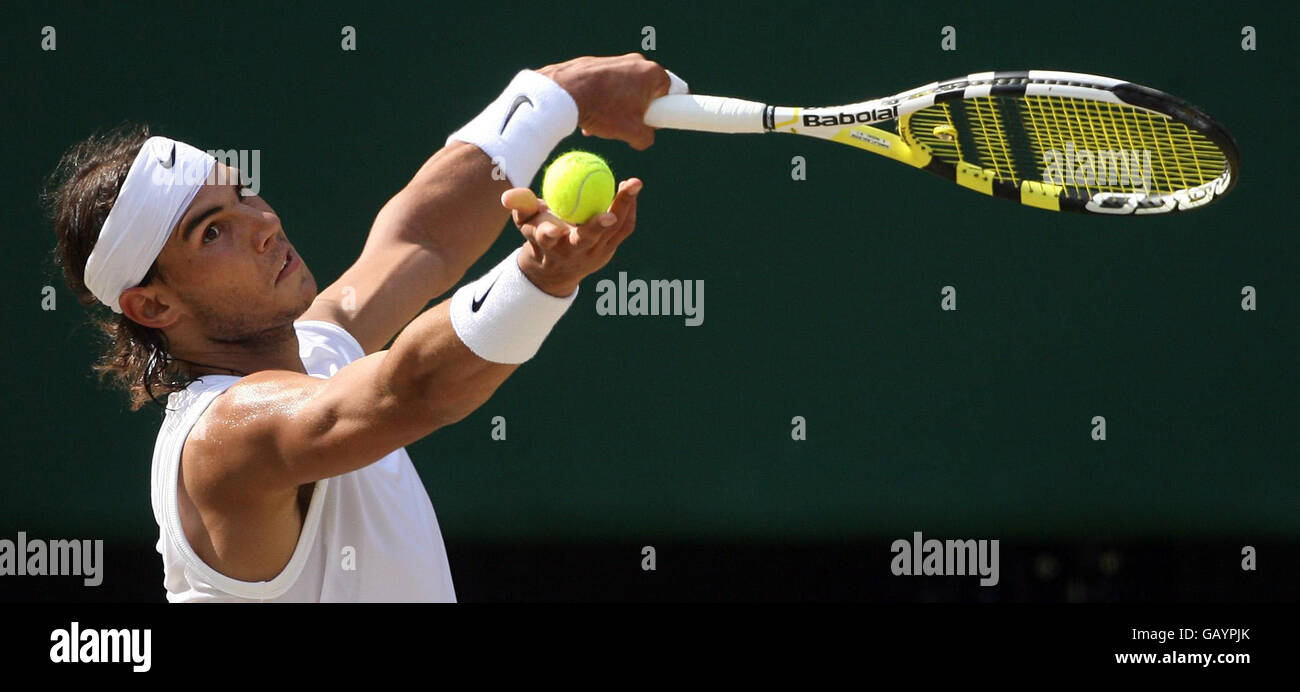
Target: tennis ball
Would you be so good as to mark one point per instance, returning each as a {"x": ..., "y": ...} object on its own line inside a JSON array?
[{"x": 577, "y": 186}]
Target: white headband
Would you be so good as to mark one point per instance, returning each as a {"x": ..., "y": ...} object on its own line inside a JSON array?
[{"x": 163, "y": 180}]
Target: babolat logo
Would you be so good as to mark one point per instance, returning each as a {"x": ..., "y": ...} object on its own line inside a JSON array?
[{"x": 870, "y": 115}]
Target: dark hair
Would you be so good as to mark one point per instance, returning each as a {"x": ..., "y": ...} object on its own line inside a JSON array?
[{"x": 78, "y": 196}]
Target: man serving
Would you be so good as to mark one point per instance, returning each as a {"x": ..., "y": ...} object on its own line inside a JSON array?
[{"x": 279, "y": 473}]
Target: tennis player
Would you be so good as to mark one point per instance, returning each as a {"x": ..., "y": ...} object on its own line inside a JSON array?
[{"x": 280, "y": 473}]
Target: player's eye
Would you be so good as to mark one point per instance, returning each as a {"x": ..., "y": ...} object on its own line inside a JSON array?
[{"x": 211, "y": 233}]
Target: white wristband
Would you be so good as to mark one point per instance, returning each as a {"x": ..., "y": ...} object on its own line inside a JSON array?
[
  {"x": 520, "y": 128},
  {"x": 503, "y": 317}
]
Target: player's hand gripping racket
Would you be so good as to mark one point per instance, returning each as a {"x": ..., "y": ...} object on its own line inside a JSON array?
[{"x": 1061, "y": 141}]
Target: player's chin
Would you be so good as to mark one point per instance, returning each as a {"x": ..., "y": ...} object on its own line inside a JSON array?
[
  {"x": 302, "y": 288},
  {"x": 307, "y": 291}
]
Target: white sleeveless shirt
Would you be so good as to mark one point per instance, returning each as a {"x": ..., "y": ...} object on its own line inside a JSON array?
[{"x": 370, "y": 535}]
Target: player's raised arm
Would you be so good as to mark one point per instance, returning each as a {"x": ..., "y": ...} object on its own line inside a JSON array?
[
  {"x": 428, "y": 235},
  {"x": 276, "y": 430}
]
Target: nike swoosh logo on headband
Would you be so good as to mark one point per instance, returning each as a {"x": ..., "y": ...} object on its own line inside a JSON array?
[
  {"x": 478, "y": 302},
  {"x": 171, "y": 159},
  {"x": 519, "y": 101}
]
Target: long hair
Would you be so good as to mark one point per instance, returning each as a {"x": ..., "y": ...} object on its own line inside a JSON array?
[{"x": 78, "y": 195}]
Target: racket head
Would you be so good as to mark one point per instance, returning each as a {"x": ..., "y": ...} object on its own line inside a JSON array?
[{"x": 1068, "y": 141}]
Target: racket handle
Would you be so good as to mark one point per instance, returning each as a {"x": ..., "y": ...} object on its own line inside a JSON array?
[{"x": 705, "y": 114}]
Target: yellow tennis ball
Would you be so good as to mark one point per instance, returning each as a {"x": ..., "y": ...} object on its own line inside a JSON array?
[{"x": 577, "y": 186}]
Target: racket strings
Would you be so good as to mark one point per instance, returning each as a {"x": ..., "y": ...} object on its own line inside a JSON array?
[
  {"x": 991, "y": 138},
  {"x": 942, "y": 140},
  {"x": 1081, "y": 145},
  {"x": 1107, "y": 147}
]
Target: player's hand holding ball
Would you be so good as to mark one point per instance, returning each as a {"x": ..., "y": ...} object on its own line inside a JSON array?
[{"x": 560, "y": 253}]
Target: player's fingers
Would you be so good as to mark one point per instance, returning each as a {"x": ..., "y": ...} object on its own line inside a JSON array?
[
  {"x": 603, "y": 220},
  {"x": 544, "y": 240},
  {"x": 626, "y": 196},
  {"x": 553, "y": 232},
  {"x": 532, "y": 244},
  {"x": 601, "y": 225},
  {"x": 529, "y": 232},
  {"x": 521, "y": 202},
  {"x": 661, "y": 83},
  {"x": 615, "y": 235},
  {"x": 534, "y": 218},
  {"x": 520, "y": 198},
  {"x": 624, "y": 229},
  {"x": 591, "y": 232},
  {"x": 539, "y": 234}
]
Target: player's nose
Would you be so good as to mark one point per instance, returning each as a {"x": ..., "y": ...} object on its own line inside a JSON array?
[{"x": 267, "y": 231}]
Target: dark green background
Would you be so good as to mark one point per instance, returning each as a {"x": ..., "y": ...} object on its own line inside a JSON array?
[{"x": 821, "y": 300}]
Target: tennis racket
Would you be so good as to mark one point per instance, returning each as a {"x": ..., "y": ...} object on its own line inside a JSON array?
[{"x": 1061, "y": 141}]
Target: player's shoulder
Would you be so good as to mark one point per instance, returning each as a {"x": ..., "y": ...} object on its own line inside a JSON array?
[{"x": 231, "y": 443}]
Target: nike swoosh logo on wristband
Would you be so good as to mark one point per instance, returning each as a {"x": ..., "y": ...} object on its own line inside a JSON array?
[
  {"x": 519, "y": 101},
  {"x": 478, "y": 302}
]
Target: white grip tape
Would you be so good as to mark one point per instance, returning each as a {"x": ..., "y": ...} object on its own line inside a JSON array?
[
  {"x": 502, "y": 317},
  {"x": 676, "y": 85},
  {"x": 520, "y": 128},
  {"x": 706, "y": 114}
]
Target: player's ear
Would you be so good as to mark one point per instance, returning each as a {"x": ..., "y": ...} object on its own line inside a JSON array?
[{"x": 148, "y": 306}]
